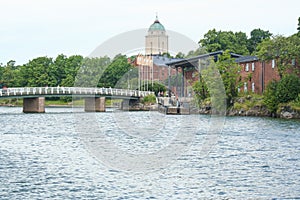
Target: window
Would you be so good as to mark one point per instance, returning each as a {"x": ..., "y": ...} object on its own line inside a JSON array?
[
  {"x": 273, "y": 63},
  {"x": 247, "y": 67},
  {"x": 253, "y": 87},
  {"x": 294, "y": 62},
  {"x": 245, "y": 87},
  {"x": 253, "y": 67}
]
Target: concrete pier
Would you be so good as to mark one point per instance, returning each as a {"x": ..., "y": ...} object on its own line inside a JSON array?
[
  {"x": 34, "y": 105},
  {"x": 94, "y": 104},
  {"x": 130, "y": 105}
]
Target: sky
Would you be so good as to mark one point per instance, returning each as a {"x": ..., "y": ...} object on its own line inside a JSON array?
[{"x": 33, "y": 28}]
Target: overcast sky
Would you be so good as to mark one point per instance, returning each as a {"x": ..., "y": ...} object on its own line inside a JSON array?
[{"x": 32, "y": 28}]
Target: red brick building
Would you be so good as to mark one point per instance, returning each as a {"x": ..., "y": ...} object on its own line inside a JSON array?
[
  {"x": 189, "y": 71},
  {"x": 153, "y": 68},
  {"x": 256, "y": 74}
]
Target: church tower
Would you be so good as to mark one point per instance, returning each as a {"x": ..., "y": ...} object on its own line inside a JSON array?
[{"x": 156, "y": 40}]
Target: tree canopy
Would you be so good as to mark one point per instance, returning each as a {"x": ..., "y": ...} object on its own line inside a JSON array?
[
  {"x": 208, "y": 83},
  {"x": 284, "y": 50},
  {"x": 236, "y": 42},
  {"x": 65, "y": 71}
]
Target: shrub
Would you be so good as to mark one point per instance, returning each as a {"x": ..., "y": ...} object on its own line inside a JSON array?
[
  {"x": 270, "y": 99},
  {"x": 283, "y": 91},
  {"x": 149, "y": 99},
  {"x": 288, "y": 88}
]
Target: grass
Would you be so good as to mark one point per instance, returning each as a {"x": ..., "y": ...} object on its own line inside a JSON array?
[
  {"x": 295, "y": 106},
  {"x": 15, "y": 102},
  {"x": 248, "y": 101},
  {"x": 56, "y": 102},
  {"x": 59, "y": 102}
]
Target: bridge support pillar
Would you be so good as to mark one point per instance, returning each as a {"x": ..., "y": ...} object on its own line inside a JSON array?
[
  {"x": 34, "y": 105},
  {"x": 94, "y": 104},
  {"x": 128, "y": 104}
]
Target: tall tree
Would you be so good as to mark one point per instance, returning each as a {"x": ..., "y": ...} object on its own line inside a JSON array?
[
  {"x": 284, "y": 50},
  {"x": 71, "y": 67},
  {"x": 225, "y": 40},
  {"x": 229, "y": 71},
  {"x": 115, "y": 72},
  {"x": 256, "y": 37},
  {"x": 9, "y": 75},
  {"x": 91, "y": 71},
  {"x": 197, "y": 52},
  {"x": 298, "y": 25},
  {"x": 40, "y": 72},
  {"x": 209, "y": 84}
]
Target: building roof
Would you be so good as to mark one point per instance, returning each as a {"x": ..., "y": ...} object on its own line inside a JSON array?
[
  {"x": 194, "y": 60},
  {"x": 246, "y": 59},
  {"x": 162, "y": 60},
  {"x": 156, "y": 26}
]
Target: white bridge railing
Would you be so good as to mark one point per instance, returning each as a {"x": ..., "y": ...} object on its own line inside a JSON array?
[{"x": 77, "y": 91}]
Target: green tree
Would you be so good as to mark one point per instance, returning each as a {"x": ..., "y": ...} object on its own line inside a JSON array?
[
  {"x": 167, "y": 54},
  {"x": 283, "y": 91},
  {"x": 269, "y": 97},
  {"x": 115, "y": 71},
  {"x": 200, "y": 89},
  {"x": 156, "y": 87},
  {"x": 209, "y": 84},
  {"x": 229, "y": 71},
  {"x": 288, "y": 88},
  {"x": 91, "y": 71},
  {"x": 284, "y": 50},
  {"x": 298, "y": 25},
  {"x": 9, "y": 75},
  {"x": 256, "y": 37},
  {"x": 39, "y": 72},
  {"x": 71, "y": 67},
  {"x": 1, "y": 75},
  {"x": 180, "y": 55},
  {"x": 225, "y": 40},
  {"x": 197, "y": 52}
]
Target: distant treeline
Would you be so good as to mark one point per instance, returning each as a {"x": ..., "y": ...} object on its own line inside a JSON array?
[{"x": 65, "y": 71}]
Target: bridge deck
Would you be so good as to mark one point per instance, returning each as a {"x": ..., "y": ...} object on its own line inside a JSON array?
[{"x": 29, "y": 92}]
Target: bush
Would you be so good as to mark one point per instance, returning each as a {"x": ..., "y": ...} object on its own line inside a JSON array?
[
  {"x": 149, "y": 99},
  {"x": 156, "y": 87},
  {"x": 284, "y": 91},
  {"x": 270, "y": 99},
  {"x": 288, "y": 88}
]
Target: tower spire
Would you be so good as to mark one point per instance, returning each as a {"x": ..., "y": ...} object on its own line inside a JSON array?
[{"x": 156, "y": 18}]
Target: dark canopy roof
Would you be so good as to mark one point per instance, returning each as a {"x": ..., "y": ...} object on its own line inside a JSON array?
[
  {"x": 246, "y": 59},
  {"x": 191, "y": 62}
]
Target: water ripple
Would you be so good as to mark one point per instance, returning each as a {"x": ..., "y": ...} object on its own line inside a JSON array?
[{"x": 42, "y": 157}]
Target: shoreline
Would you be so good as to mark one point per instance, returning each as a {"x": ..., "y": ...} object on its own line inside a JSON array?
[{"x": 286, "y": 112}]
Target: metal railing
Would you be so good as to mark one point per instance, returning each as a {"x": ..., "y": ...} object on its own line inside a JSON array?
[{"x": 77, "y": 91}]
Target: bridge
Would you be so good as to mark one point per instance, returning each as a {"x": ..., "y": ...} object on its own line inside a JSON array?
[{"x": 34, "y": 97}]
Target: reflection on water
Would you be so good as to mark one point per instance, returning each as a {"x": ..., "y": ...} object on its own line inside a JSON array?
[{"x": 43, "y": 157}]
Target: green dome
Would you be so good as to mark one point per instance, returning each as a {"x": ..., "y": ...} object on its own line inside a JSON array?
[{"x": 157, "y": 26}]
